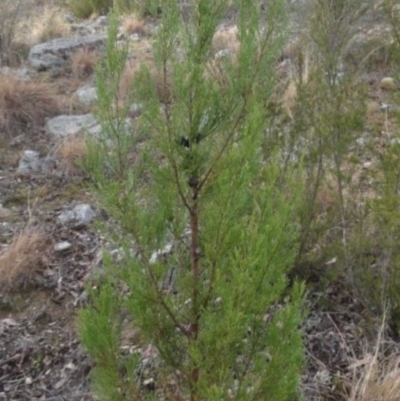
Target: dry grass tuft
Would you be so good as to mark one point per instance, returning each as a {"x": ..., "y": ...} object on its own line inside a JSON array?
[
  {"x": 23, "y": 258},
  {"x": 376, "y": 378},
  {"x": 83, "y": 62},
  {"x": 44, "y": 26},
  {"x": 12, "y": 12},
  {"x": 49, "y": 25},
  {"x": 378, "y": 381},
  {"x": 226, "y": 39},
  {"x": 69, "y": 151},
  {"x": 132, "y": 24},
  {"x": 26, "y": 104}
]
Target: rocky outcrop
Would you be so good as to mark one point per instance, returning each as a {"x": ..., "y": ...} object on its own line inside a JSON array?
[
  {"x": 64, "y": 125},
  {"x": 56, "y": 52}
]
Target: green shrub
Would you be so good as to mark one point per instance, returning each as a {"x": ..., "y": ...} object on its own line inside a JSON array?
[
  {"x": 328, "y": 117},
  {"x": 142, "y": 7},
  {"x": 216, "y": 316},
  {"x": 85, "y": 8},
  {"x": 10, "y": 14}
]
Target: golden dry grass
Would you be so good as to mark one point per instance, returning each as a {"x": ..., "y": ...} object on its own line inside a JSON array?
[
  {"x": 23, "y": 257},
  {"x": 375, "y": 378},
  {"x": 12, "y": 12},
  {"x": 226, "y": 39},
  {"x": 83, "y": 62},
  {"x": 133, "y": 24},
  {"x": 378, "y": 381},
  {"x": 69, "y": 151},
  {"x": 26, "y": 104},
  {"x": 49, "y": 25},
  {"x": 44, "y": 26}
]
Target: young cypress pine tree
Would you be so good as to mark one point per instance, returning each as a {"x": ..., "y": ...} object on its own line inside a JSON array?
[{"x": 207, "y": 224}]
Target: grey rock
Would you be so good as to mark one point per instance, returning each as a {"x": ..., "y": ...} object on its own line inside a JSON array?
[
  {"x": 63, "y": 126},
  {"x": 48, "y": 165},
  {"x": 361, "y": 142},
  {"x": 31, "y": 162},
  {"x": 223, "y": 54},
  {"x": 86, "y": 29},
  {"x": 22, "y": 74},
  {"x": 70, "y": 18},
  {"x": 62, "y": 246},
  {"x": 98, "y": 131},
  {"x": 385, "y": 107},
  {"x": 56, "y": 52},
  {"x": 80, "y": 215},
  {"x": 135, "y": 110},
  {"x": 135, "y": 37},
  {"x": 86, "y": 95},
  {"x": 161, "y": 253},
  {"x": 102, "y": 21}
]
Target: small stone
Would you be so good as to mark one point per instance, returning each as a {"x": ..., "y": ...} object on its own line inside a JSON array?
[
  {"x": 223, "y": 54},
  {"x": 84, "y": 213},
  {"x": 62, "y": 246},
  {"x": 387, "y": 83},
  {"x": 29, "y": 162},
  {"x": 161, "y": 253},
  {"x": 63, "y": 126},
  {"x": 134, "y": 37},
  {"x": 86, "y": 96},
  {"x": 361, "y": 142},
  {"x": 134, "y": 110},
  {"x": 323, "y": 377},
  {"x": 385, "y": 107},
  {"x": 80, "y": 215}
]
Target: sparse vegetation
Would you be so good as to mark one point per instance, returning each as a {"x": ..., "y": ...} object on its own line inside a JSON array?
[
  {"x": 85, "y": 8},
  {"x": 24, "y": 257},
  {"x": 26, "y": 104},
  {"x": 50, "y": 24},
  {"x": 71, "y": 152},
  {"x": 293, "y": 147},
  {"x": 83, "y": 62},
  {"x": 10, "y": 14},
  {"x": 133, "y": 24}
]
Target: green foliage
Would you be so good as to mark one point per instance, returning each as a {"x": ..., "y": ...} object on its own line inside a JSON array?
[
  {"x": 142, "y": 7},
  {"x": 217, "y": 308},
  {"x": 85, "y": 8},
  {"x": 329, "y": 114},
  {"x": 10, "y": 14},
  {"x": 358, "y": 231}
]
